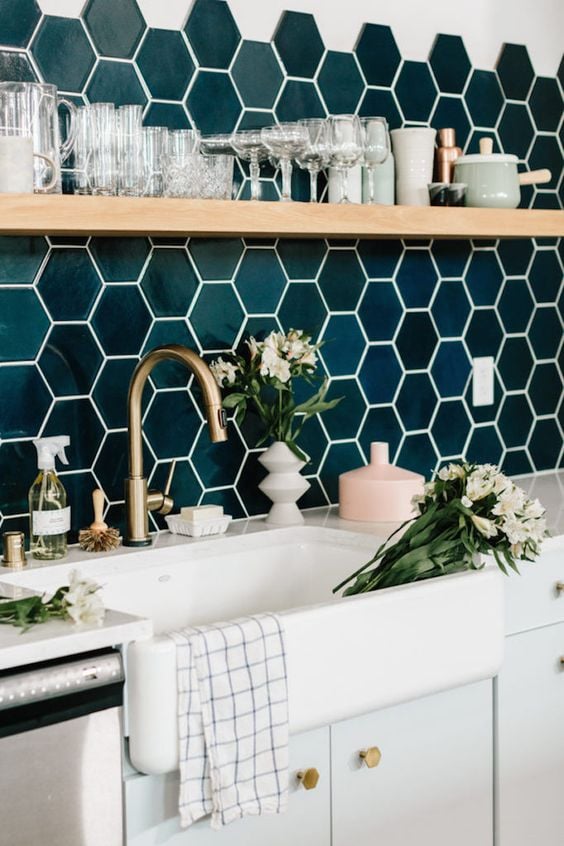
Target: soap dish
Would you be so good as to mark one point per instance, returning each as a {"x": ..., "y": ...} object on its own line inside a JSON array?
[{"x": 200, "y": 529}]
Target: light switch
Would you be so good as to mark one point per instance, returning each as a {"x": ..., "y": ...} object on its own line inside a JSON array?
[{"x": 483, "y": 380}]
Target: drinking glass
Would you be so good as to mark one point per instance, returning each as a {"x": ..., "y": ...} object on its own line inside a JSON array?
[
  {"x": 183, "y": 142},
  {"x": 182, "y": 175},
  {"x": 315, "y": 155},
  {"x": 285, "y": 141},
  {"x": 249, "y": 146},
  {"x": 103, "y": 166},
  {"x": 82, "y": 152},
  {"x": 216, "y": 177},
  {"x": 155, "y": 147},
  {"x": 130, "y": 151},
  {"x": 345, "y": 147},
  {"x": 217, "y": 145},
  {"x": 376, "y": 143}
]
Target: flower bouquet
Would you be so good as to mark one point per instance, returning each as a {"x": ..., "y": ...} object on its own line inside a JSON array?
[
  {"x": 263, "y": 381},
  {"x": 79, "y": 603},
  {"x": 468, "y": 510}
]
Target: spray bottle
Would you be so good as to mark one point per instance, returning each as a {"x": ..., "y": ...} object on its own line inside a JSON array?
[{"x": 48, "y": 510}]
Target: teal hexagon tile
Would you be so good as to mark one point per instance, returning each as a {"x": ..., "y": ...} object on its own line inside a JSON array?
[
  {"x": 450, "y": 111},
  {"x": 515, "y": 306},
  {"x": 484, "y": 98},
  {"x": 339, "y": 459},
  {"x": 302, "y": 307},
  {"x": 121, "y": 305},
  {"x": 340, "y": 83},
  {"x": 30, "y": 399},
  {"x": 120, "y": 259},
  {"x": 515, "y": 255},
  {"x": 416, "y": 91},
  {"x": 18, "y": 468},
  {"x": 169, "y": 282},
  {"x": 115, "y": 82},
  {"x": 545, "y": 102},
  {"x": 450, "y": 368},
  {"x": 216, "y": 316},
  {"x": 69, "y": 284},
  {"x": 185, "y": 489},
  {"x": 515, "y": 130},
  {"x": 450, "y": 308},
  {"x": 515, "y": 364},
  {"x": 515, "y": 420},
  {"x": 20, "y": 259},
  {"x": 299, "y": 44},
  {"x": 226, "y": 497},
  {"x": 218, "y": 464},
  {"x": 165, "y": 64},
  {"x": 110, "y": 391},
  {"x": 23, "y": 324},
  {"x": 451, "y": 427},
  {"x": 19, "y": 19},
  {"x": 418, "y": 454},
  {"x": 170, "y": 374},
  {"x": 299, "y": 100},
  {"x": 545, "y": 276},
  {"x": 260, "y": 281},
  {"x": 257, "y": 74},
  {"x": 342, "y": 280},
  {"x": 171, "y": 115},
  {"x": 252, "y": 473},
  {"x": 381, "y": 424},
  {"x": 380, "y": 311},
  {"x": 378, "y": 54},
  {"x": 484, "y": 333},
  {"x": 416, "y": 401},
  {"x": 545, "y": 153},
  {"x": 212, "y": 32},
  {"x": 76, "y": 418},
  {"x": 313, "y": 442},
  {"x": 343, "y": 344},
  {"x": 15, "y": 67},
  {"x": 115, "y": 28},
  {"x": 70, "y": 360},
  {"x": 545, "y": 444},
  {"x": 378, "y": 101},
  {"x": 416, "y": 340},
  {"x": 516, "y": 462},
  {"x": 450, "y": 63},
  {"x": 213, "y": 103},
  {"x": 546, "y": 388},
  {"x": 111, "y": 465},
  {"x": 451, "y": 257},
  {"x": 515, "y": 71},
  {"x": 416, "y": 278},
  {"x": 344, "y": 420},
  {"x": 182, "y": 424},
  {"x": 63, "y": 53},
  {"x": 545, "y": 332},
  {"x": 380, "y": 374},
  {"x": 484, "y": 446},
  {"x": 484, "y": 277},
  {"x": 380, "y": 258},
  {"x": 216, "y": 258},
  {"x": 301, "y": 257}
]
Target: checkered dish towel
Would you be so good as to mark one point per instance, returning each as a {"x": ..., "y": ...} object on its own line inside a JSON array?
[{"x": 232, "y": 719}]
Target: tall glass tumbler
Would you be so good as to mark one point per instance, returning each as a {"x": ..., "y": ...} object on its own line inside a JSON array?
[
  {"x": 103, "y": 168},
  {"x": 155, "y": 149},
  {"x": 130, "y": 151},
  {"x": 82, "y": 152}
]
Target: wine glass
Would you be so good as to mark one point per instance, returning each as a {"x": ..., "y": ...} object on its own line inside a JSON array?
[
  {"x": 249, "y": 146},
  {"x": 345, "y": 147},
  {"x": 285, "y": 141},
  {"x": 315, "y": 155},
  {"x": 376, "y": 142}
]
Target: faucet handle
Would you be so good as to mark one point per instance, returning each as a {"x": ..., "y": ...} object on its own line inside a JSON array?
[{"x": 168, "y": 502}]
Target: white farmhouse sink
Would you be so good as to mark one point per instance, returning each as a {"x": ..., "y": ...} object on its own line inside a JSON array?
[{"x": 344, "y": 656}]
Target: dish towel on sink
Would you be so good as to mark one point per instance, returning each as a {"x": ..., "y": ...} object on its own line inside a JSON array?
[{"x": 232, "y": 720}]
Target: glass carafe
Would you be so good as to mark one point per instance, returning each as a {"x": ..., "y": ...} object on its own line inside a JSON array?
[{"x": 32, "y": 109}]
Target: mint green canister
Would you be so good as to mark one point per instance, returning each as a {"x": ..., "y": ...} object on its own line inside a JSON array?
[{"x": 492, "y": 180}]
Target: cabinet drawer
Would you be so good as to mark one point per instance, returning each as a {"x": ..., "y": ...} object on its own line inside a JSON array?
[{"x": 533, "y": 599}]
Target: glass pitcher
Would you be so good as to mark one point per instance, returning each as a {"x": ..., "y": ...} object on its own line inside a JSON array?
[{"x": 32, "y": 109}]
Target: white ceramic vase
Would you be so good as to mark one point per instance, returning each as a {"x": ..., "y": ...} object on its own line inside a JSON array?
[
  {"x": 413, "y": 150},
  {"x": 284, "y": 485}
]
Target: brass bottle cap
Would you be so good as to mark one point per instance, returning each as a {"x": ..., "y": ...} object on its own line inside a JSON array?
[
  {"x": 14, "y": 550},
  {"x": 447, "y": 137}
]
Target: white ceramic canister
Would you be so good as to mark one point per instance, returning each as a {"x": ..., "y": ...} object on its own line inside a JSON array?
[
  {"x": 384, "y": 176},
  {"x": 413, "y": 149},
  {"x": 354, "y": 185}
]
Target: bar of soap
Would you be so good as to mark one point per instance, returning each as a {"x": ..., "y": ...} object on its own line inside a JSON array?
[{"x": 199, "y": 513}]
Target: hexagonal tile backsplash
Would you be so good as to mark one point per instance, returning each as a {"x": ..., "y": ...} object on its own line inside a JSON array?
[{"x": 401, "y": 321}]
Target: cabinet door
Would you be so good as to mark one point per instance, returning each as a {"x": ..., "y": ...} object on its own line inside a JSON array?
[
  {"x": 433, "y": 784},
  {"x": 152, "y": 808},
  {"x": 530, "y": 740}
]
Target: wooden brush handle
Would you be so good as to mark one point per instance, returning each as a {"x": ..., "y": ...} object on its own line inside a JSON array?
[{"x": 98, "y": 504}]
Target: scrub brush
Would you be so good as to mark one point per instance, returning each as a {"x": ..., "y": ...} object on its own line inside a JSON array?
[{"x": 98, "y": 537}]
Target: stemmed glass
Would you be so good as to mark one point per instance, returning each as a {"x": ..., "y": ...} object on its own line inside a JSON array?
[
  {"x": 315, "y": 155},
  {"x": 249, "y": 146},
  {"x": 376, "y": 144},
  {"x": 285, "y": 141},
  {"x": 345, "y": 147}
]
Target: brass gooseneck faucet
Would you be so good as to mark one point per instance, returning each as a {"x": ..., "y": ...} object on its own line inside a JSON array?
[{"x": 138, "y": 500}]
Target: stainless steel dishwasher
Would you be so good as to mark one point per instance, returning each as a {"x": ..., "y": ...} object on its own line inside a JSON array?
[{"x": 60, "y": 752}]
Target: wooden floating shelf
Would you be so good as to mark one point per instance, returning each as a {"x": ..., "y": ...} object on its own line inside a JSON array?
[{"x": 24, "y": 214}]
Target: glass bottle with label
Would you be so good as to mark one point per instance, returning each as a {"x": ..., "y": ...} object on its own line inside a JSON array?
[{"x": 48, "y": 510}]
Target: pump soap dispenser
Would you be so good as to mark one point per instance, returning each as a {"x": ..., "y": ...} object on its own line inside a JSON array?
[
  {"x": 379, "y": 492},
  {"x": 49, "y": 513}
]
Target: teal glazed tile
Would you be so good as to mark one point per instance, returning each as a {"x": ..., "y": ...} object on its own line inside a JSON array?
[
  {"x": 545, "y": 444},
  {"x": 63, "y": 53},
  {"x": 415, "y": 91},
  {"x": 302, "y": 307},
  {"x": 451, "y": 256},
  {"x": 165, "y": 64},
  {"x": 226, "y": 497},
  {"x": 484, "y": 333},
  {"x": 213, "y": 33},
  {"x": 110, "y": 391},
  {"x": 170, "y": 374},
  {"x": 171, "y": 115},
  {"x": 377, "y": 101},
  {"x": 515, "y": 420},
  {"x": 545, "y": 332},
  {"x": 484, "y": 277},
  {"x": 378, "y": 54},
  {"x": 484, "y": 446},
  {"x": 69, "y": 284},
  {"x": 515, "y": 130},
  {"x": 416, "y": 340},
  {"x": 115, "y": 82},
  {"x": 169, "y": 282},
  {"x": 380, "y": 258},
  {"x": 260, "y": 281},
  {"x": 516, "y": 462},
  {"x": 111, "y": 465},
  {"x": 313, "y": 441},
  {"x": 76, "y": 418},
  {"x": 176, "y": 409},
  {"x": 257, "y": 74},
  {"x": 515, "y": 256},
  {"x": 252, "y": 473},
  {"x": 216, "y": 317},
  {"x": 546, "y": 153},
  {"x": 343, "y": 344},
  {"x": 340, "y": 83},
  {"x": 515, "y": 71},
  {"x": 115, "y": 28},
  {"x": 451, "y": 427},
  {"x": 299, "y": 100},
  {"x": 515, "y": 306},
  {"x": 215, "y": 258},
  {"x": 255, "y": 119},
  {"x": 339, "y": 459},
  {"x": 546, "y": 388},
  {"x": 213, "y": 103},
  {"x": 450, "y": 308},
  {"x": 450, "y": 111},
  {"x": 418, "y": 454},
  {"x": 299, "y": 44},
  {"x": 380, "y": 311},
  {"x": 120, "y": 259},
  {"x": 380, "y": 374},
  {"x": 119, "y": 305},
  {"x": 545, "y": 276},
  {"x": 416, "y": 278},
  {"x": 301, "y": 257},
  {"x": 20, "y": 259},
  {"x": 70, "y": 360},
  {"x": 185, "y": 490},
  {"x": 23, "y": 324},
  {"x": 17, "y": 22},
  {"x": 515, "y": 364},
  {"x": 381, "y": 424},
  {"x": 18, "y": 468},
  {"x": 23, "y": 416},
  {"x": 218, "y": 464},
  {"x": 15, "y": 67},
  {"x": 451, "y": 368},
  {"x": 450, "y": 64},
  {"x": 416, "y": 401},
  {"x": 342, "y": 280},
  {"x": 315, "y": 496},
  {"x": 484, "y": 98},
  {"x": 79, "y": 487}
]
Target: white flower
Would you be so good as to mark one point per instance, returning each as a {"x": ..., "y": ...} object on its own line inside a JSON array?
[
  {"x": 452, "y": 471},
  {"x": 510, "y": 501},
  {"x": 429, "y": 489},
  {"x": 486, "y": 527},
  {"x": 533, "y": 508},
  {"x": 309, "y": 359},
  {"x": 273, "y": 365},
  {"x": 466, "y": 502},
  {"x": 224, "y": 372},
  {"x": 478, "y": 486},
  {"x": 82, "y": 602},
  {"x": 515, "y": 529},
  {"x": 416, "y": 501},
  {"x": 253, "y": 347}
]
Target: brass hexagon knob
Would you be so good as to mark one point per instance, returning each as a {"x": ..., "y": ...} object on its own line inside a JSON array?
[
  {"x": 371, "y": 756},
  {"x": 308, "y": 778}
]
